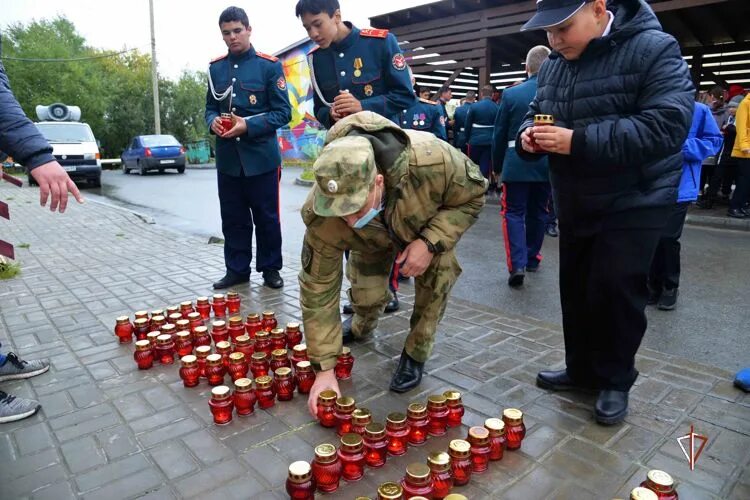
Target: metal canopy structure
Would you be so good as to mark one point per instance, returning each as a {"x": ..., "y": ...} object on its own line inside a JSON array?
[{"x": 469, "y": 43}]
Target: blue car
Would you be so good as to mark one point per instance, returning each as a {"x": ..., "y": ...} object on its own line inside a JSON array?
[{"x": 153, "y": 152}]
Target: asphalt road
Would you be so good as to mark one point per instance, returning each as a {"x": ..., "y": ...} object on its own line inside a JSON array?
[{"x": 711, "y": 323}]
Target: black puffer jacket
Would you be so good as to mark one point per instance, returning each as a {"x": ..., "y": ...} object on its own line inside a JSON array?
[{"x": 629, "y": 101}]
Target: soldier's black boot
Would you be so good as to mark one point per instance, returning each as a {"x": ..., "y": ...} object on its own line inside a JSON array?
[
  {"x": 611, "y": 407},
  {"x": 230, "y": 279},
  {"x": 408, "y": 374}
]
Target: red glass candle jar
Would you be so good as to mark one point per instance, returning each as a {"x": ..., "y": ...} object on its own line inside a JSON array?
[
  {"x": 279, "y": 359},
  {"x": 172, "y": 310},
  {"x": 174, "y": 318},
  {"x": 352, "y": 456},
  {"x": 278, "y": 339},
  {"x": 201, "y": 337},
  {"x": 183, "y": 325},
  {"x": 144, "y": 354},
  {"x": 299, "y": 353},
  {"x": 165, "y": 349},
  {"x": 224, "y": 348},
  {"x": 376, "y": 445},
  {"x": 140, "y": 328},
  {"x": 244, "y": 344},
  {"x": 157, "y": 312},
  {"x": 442, "y": 481},
  {"x": 169, "y": 329},
  {"x": 215, "y": 370},
  {"x": 124, "y": 329},
  {"x": 269, "y": 321},
  {"x": 203, "y": 308},
  {"x": 244, "y": 396},
  {"x": 219, "y": 331},
  {"x": 142, "y": 315},
  {"x": 496, "y": 428},
  {"x": 417, "y": 481},
  {"x": 300, "y": 484},
  {"x": 283, "y": 383},
  {"x": 416, "y": 418},
  {"x": 397, "y": 432},
  {"x": 326, "y": 468},
  {"x": 660, "y": 483},
  {"x": 437, "y": 408},
  {"x": 515, "y": 430},
  {"x": 479, "y": 439},
  {"x": 361, "y": 418},
  {"x": 195, "y": 320},
  {"x": 455, "y": 408},
  {"x": 219, "y": 305},
  {"x": 221, "y": 405},
  {"x": 157, "y": 321},
  {"x": 233, "y": 303},
  {"x": 540, "y": 120},
  {"x": 263, "y": 343},
  {"x": 344, "y": 364},
  {"x": 641, "y": 493},
  {"x": 152, "y": 336},
  {"x": 186, "y": 308},
  {"x": 293, "y": 335},
  {"x": 390, "y": 491},
  {"x": 461, "y": 467},
  {"x": 304, "y": 377},
  {"x": 235, "y": 328},
  {"x": 259, "y": 364},
  {"x": 190, "y": 373},
  {"x": 343, "y": 410},
  {"x": 183, "y": 344},
  {"x": 253, "y": 324},
  {"x": 326, "y": 401},
  {"x": 237, "y": 366},
  {"x": 202, "y": 352},
  {"x": 265, "y": 392}
]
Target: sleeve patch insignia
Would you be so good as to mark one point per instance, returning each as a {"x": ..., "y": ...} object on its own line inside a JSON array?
[
  {"x": 281, "y": 83},
  {"x": 368, "y": 90},
  {"x": 399, "y": 62}
]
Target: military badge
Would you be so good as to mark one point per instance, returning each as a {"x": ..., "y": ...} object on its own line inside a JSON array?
[
  {"x": 442, "y": 120},
  {"x": 281, "y": 83},
  {"x": 368, "y": 90},
  {"x": 333, "y": 186},
  {"x": 253, "y": 99},
  {"x": 358, "y": 67},
  {"x": 399, "y": 62}
]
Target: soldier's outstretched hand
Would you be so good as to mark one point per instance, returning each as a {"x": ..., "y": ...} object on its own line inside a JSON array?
[
  {"x": 55, "y": 182},
  {"x": 415, "y": 259},
  {"x": 324, "y": 380}
]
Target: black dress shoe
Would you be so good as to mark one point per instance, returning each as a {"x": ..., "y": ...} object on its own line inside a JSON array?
[
  {"x": 392, "y": 305},
  {"x": 559, "y": 380},
  {"x": 736, "y": 213},
  {"x": 347, "y": 337},
  {"x": 668, "y": 300},
  {"x": 516, "y": 278},
  {"x": 705, "y": 203},
  {"x": 408, "y": 374},
  {"x": 653, "y": 296},
  {"x": 272, "y": 279},
  {"x": 611, "y": 407},
  {"x": 231, "y": 279}
]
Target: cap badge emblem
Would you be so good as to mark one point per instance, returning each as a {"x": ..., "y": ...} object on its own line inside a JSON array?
[{"x": 333, "y": 186}]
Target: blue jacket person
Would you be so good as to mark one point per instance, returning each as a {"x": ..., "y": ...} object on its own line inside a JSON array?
[{"x": 480, "y": 121}]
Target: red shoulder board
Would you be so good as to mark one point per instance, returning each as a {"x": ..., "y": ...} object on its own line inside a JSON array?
[
  {"x": 266, "y": 56},
  {"x": 313, "y": 49},
  {"x": 374, "y": 33},
  {"x": 218, "y": 58}
]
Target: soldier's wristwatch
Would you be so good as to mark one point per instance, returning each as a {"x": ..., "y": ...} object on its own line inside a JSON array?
[{"x": 430, "y": 247}]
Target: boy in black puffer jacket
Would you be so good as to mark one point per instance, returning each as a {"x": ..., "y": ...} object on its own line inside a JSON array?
[{"x": 622, "y": 100}]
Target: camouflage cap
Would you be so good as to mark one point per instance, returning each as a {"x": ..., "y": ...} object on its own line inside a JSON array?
[{"x": 344, "y": 173}]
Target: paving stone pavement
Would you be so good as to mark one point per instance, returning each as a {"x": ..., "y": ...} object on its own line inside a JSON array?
[{"x": 109, "y": 431}]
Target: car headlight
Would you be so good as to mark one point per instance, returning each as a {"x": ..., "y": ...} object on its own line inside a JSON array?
[{"x": 89, "y": 156}]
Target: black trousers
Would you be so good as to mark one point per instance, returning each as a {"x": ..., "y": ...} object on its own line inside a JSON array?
[
  {"x": 603, "y": 293},
  {"x": 723, "y": 177},
  {"x": 742, "y": 189},
  {"x": 665, "y": 268},
  {"x": 249, "y": 203}
]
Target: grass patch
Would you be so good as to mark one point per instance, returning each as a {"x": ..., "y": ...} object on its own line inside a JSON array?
[
  {"x": 307, "y": 175},
  {"x": 23, "y": 245},
  {"x": 8, "y": 270},
  {"x": 299, "y": 163}
]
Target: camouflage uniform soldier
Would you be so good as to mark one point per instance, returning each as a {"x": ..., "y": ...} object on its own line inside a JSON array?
[{"x": 379, "y": 191}]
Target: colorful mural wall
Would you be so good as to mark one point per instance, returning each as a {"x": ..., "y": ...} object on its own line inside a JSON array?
[{"x": 303, "y": 139}]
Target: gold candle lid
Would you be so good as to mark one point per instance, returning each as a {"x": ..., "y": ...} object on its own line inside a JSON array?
[
  {"x": 175, "y": 317},
  {"x": 361, "y": 416},
  {"x": 189, "y": 360},
  {"x": 292, "y": 326},
  {"x": 416, "y": 410},
  {"x": 214, "y": 359},
  {"x": 440, "y": 458},
  {"x": 452, "y": 396},
  {"x": 362, "y": 498},
  {"x": 375, "y": 430},
  {"x": 242, "y": 340},
  {"x": 157, "y": 318},
  {"x": 140, "y": 322},
  {"x": 252, "y": 316},
  {"x": 283, "y": 372},
  {"x": 299, "y": 472},
  {"x": 327, "y": 396},
  {"x": 182, "y": 324},
  {"x": 351, "y": 441},
  {"x": 262, "y": 334},
  {"x": 455, "y": 496},
  {"x": 277, "y": 331},
  {"x": 142, "y": 345},
  {"x": 218, "y": 296},
  {"x": 396, "y": 418},
  {"x": 345, "y": 351},
  {"x": 279, "y": 353},
  {"x": 495, "y": 425},
  {"x": 141, "y": 314},
  {"x": 513, "y": 416},
  {"x": 300, "y": 348},
  {"x": 345, "y": 404},
  {"x": 268, "y": 314},
  {"x": 543, "y": 119},
  {"x": 390, "y": 491},
  {"x": 200, "y": 330},
  {"x": 157, "y": 312},
  {"x": 436, "y": 400},
  {"x": 153, "y": 336},
  {"x": 220, "y": 392},
  {"x": 641, "y": 493},
  {"x": 186, "y": 304},
  {"x": 243, "y": 384},
  {"x": 304, "y": 366},
  {"x": 122, "y": 319},
  {"x": 418, "y": 471},
  {"x": 660, "y": 478},
  {"x": 258, "y": 356},
  {"x": 235, "y": 321},
  {"x": 163, "y": 339},
  {"x": 223, "y": 346},
  {"x": 325, "y": 453},
  {"x": 479, "y": 434},
  {"x": 220, "y": 324},
  {"x": 195, "y": 316},
  {"x": 168, "y": 328},
  {"x": 237, "y": 357},
  {"x": 263, "y": 382},
  {"x": 460, "y": 448},
  {"x": 201, "y": 300},
  {"x": 203, "y": 350},
  {"x": 232, "y": 294}
]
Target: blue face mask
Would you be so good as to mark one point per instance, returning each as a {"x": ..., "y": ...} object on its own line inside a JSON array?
[{"x": 367, "y": 218}]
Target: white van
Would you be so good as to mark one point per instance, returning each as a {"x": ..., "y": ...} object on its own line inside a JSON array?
[{"x": 73, "y": 143}]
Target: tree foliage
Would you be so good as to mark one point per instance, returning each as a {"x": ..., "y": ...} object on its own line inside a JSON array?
[{"x": 113, "y": 90}]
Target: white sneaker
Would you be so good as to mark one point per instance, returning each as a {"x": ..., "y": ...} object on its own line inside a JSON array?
[{"x": 13, "y": 408}]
